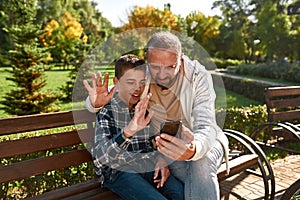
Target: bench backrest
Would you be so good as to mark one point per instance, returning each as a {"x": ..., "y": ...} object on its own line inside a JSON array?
[
  {"x": 283, "y": 103},
  {"x": 67, "y": 136}
]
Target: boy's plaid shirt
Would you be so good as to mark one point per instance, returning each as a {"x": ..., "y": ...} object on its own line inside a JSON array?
[{"x": 111, "y": 120}]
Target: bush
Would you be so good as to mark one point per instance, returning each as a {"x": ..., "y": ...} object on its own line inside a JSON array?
[
  {"x": 245, "y": 119},
  {"x": 222, "y": 63},
  {"x": 275, "y": 70},
  {"x": 249, "y": 88}
]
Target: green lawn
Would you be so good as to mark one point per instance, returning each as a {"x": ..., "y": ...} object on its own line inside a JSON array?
[{"x": 56, "y": 79}]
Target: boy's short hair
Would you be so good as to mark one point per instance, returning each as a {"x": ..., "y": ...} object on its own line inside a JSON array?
[{"x": 126, "y": 62}]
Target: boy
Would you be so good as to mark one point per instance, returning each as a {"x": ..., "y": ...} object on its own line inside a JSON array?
[{"x": 122, "y": 153}]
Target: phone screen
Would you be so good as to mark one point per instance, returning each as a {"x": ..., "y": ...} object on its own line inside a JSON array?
[{"x": 170, "y": 128}]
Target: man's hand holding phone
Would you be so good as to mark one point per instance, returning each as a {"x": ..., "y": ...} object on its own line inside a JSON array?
[
  {"x": 171, "y": 128},
  {"x": 177, "y": 148}
]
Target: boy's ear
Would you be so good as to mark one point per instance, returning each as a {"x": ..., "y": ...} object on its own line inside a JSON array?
[{"x": 116, "y": 80}]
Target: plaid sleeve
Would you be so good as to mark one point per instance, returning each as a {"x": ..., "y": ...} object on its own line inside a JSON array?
[{"x": 107, "y": 150}]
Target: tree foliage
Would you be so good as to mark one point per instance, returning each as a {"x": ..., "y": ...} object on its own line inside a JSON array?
[
  {"x": 28, "y": 60},
  {"x": 272, "y": 19},
  {"x": 233, "y": 41},
  {"x": 203, "y": 29},
  {"x": 4, "y": 20},
  {"x": 261, "y": 26},
  {"x": 74, "y": 28},
  {"x": 95, "y": 26},
  {"x": 70, "y": 42},
  {"x": 65, "y": 35},
  {"x": 149, "y": 16}
]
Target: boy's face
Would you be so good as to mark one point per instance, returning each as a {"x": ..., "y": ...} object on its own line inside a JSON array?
[{"x": 131, "y": 86}]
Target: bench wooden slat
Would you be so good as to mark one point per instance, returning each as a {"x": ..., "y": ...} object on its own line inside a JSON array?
[
  {"x": 282, "y": 91},
  {"x": 284, "y": 116},
  {"x": 68, "y": 191},
  {"x": 95, "y": 194},
  {"x": 36, "y": 144},
  {"x": 87, "y": 190},
  {"x": 35, "y": 122},
  {"x": 237, "y": 165},
  {"x": 284, "y": 103},
  {"x": 107, "y": 195},
  {"x": 37, "y": 166},
  {"x": 43, "y": 121}
]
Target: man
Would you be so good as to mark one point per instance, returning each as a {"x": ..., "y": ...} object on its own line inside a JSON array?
[{"x": 182, "y": 90}]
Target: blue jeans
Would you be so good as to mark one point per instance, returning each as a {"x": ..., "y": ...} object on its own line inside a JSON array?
[
  {"x": 200, "y": 177},
  {"x": 131, "y": 186}
]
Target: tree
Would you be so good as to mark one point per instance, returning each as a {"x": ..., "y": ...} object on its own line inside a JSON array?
[
  {"x": 235, "y": 34},
  {"x": 70, "y": 47},
  {"x": 5, "y": 43},
  {"x": 264, "y": 26},
  {"x": 74, "y": 28},
  {"x": 28, "y": 60},
  {"x": 273, "y": 31},
  {"x": 294, "y": 36},
  {"x": 64, "y": 34},
  {"x": 95, "y": 26},
  {"x": 203, "y": 29},
  {"x": 141, "y": 17}
]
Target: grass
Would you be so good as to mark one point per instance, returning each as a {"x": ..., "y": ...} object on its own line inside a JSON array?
[
  {"x": 57, "y": 78},
  {"x": 234, "y": 99}
]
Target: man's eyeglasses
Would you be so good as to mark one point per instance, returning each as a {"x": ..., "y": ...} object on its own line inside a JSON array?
[{"x": 158, "y": 67}]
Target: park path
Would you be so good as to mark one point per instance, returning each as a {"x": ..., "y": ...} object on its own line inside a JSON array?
[
  {"x": 245, "y": 186},
  {"x": 224, "y": 74}
]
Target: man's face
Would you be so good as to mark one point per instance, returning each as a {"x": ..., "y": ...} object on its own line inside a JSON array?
[
  {"x": 163, "y": 66},
  {"x": 131, "y": 86}
]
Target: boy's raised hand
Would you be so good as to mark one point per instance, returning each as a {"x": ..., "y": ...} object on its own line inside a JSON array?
[
  {"x": 140, "y": 119},
  {"x": 98, "y": 93}
]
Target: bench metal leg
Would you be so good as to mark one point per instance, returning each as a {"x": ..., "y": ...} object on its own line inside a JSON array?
[
  {"x": 285, "y": 126},
  {"x": 263, "y": 163}
]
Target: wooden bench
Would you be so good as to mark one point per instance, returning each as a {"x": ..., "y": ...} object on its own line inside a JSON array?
[
  {"x": 54, "y": 144},
  {"x": 282, "y": 130}
]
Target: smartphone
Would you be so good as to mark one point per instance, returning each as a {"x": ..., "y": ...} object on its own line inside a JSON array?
[{"x": 171, "y": 128}]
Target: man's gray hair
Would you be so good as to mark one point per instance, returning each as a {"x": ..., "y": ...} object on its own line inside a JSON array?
[{"x": 165, "y": 40}]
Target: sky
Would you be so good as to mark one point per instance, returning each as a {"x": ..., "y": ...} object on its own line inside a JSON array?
[{"x": 116, "y": 11}]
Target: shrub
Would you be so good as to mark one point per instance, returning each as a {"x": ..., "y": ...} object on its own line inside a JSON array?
[
  {"x": 275, "y": 70},
  {"x": 222, "y": 63},
  {"x": 244, "y": 119},
  {"x": 249, "y": 88}
]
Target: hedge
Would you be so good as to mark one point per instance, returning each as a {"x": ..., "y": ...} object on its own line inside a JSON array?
[{"x": 252, "y": 89}]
